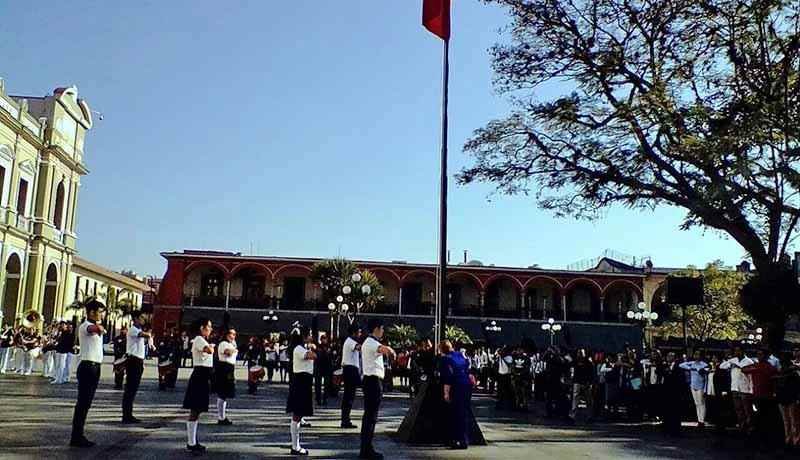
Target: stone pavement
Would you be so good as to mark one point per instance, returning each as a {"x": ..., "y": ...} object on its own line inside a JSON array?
[{"x": 36, "y": 421}]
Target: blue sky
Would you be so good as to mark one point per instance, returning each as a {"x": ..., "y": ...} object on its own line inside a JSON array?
[{"x": 302, "y": 128}]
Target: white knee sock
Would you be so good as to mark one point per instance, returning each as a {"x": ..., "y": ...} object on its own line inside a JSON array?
[
  {"x": 222, "y": 406},
  {"x": 295, "y": 430},
  {"x": 191, "y": 432}
]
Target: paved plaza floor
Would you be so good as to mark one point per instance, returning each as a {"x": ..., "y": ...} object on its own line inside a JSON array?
[{"x": 36, "y": 421}]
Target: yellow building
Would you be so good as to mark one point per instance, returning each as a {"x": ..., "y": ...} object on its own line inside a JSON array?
[
  {"x": 41, "y": 164},
  {"x": 114, "y": 289}
]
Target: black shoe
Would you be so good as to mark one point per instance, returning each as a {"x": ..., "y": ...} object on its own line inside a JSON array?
[
  {"x": 225, "y": 422},
  {"x": 82, "y": 442},
  {"x": 302, "y": 452},
  {"x": 197, "y": 448},
  {"x": 371, "y": 455},
  {"x": 130, "y": 420},
  {"x": 349, "y": 425}
]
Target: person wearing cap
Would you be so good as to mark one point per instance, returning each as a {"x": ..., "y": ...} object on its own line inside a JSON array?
[
  {"x": 90, "y": 335},
  {"x": 372, "y": 354}
]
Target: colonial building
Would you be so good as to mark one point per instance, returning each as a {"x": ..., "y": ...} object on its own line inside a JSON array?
[
  {"x": 41, "y": 164},
  {"x": 115, "y": 289},
  {"x": 591, "y": 304}
]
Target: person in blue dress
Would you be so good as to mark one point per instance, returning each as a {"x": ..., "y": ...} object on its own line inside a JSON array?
[{"x": 454, "y": 375}]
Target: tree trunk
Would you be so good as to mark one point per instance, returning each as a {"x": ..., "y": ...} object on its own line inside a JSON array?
[{"x": 769, "y": 297}]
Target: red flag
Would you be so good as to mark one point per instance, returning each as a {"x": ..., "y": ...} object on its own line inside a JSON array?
[{"x": 436, "y": 17}]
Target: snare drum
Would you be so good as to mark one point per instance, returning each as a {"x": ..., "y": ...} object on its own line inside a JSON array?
[
  {"x": 164, "y": 368},
  {"x": 256, "y": 374},
  {"x": 337, "y": 377},
  {"x": 119, "y": 365}
]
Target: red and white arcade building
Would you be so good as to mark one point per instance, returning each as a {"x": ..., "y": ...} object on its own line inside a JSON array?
[{"x": 590, "y": 304}]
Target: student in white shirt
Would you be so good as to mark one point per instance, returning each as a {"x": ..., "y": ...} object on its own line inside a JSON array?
[
  {"x": 741, "y": 388},
  {"x": 283, "y": 360},
  {"x": 698, "y": 369},
  {"x": 136, "y": 341},
  {"x": 301, "y": 386},
  {"x": 372, "y": 356},
  {"x": 90, "y": 334},
  {"x": 224, "y": 376},
  {"x": 351, "y": 363},
  {"x": 199, "y": 387}
]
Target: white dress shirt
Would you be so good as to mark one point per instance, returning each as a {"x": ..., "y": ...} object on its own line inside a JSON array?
[
  {"x": 135, "y": 344},
  {"x": 91, "y": 344},
  {"x": 740, "y": 381},
  {"x": 222, "y": 347},
  {"x": 199, "y": 357},
  {"x": 350, "y": 356},
  {"x": 299, "y": 361},
  {"x": 504, "y": 366},
  {"x": 371, "y": 359}
]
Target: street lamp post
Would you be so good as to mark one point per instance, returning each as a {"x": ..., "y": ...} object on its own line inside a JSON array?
[
  {"x": 552, "y": 327},
  {"x": 270, "y": 318},
  {"x": 643, "y": 317}
]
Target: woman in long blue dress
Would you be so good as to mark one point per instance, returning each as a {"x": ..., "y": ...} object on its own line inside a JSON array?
[{"x": 454, "y": 374}]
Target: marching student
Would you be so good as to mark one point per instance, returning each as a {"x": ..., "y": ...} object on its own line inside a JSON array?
[
  {"x": 351, "y": 359},
  {"x": 134, "y": 366},
  {"x": 6, "y": 347},
  {"x": 301, "y": 397},
  {"x": 224, "y": 375},
  {"x": 372, "y": 353},
  {"x": 199, "y": 387},
  {"x": 90, "y": 334},
  {"x": 698, "y": 369},
  {"x": 120, "y": 348}
]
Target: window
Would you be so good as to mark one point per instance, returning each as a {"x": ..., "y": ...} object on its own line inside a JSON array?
[
  {"x": 2, "y": 183},
  {"x": 211, "y": 285},
  {"x": 22, "y": 197},
  {"x": 58, "y": 214}
]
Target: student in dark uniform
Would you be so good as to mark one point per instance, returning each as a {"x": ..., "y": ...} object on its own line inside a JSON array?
[
  {"x": 224, "y": 374},
  {"x": 301, "y": 398},
  {"x": 166, "y": 365},
  {"x": 454, "y": 372},
  {"x": 351, "y": 359},
  {"x": 323, "y": 372},
  {"x": 120, "y": 343},
  {"x": 137, "y": 340},
  {"x": 199, "y": 387},
  {"x": 90, "y": 334}
]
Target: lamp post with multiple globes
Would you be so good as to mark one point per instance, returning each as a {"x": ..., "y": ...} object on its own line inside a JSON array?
[
  {"x": 341, "y": 307},
  {"x": 552, "y": 327},
  {"x": 644, "y": 317}
]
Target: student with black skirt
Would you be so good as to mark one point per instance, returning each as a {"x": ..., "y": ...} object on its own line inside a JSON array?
[
  {"x": 197, "y": 392},
  {"x": 224, "y": 375},
  {"x": 301, "y": 397}
]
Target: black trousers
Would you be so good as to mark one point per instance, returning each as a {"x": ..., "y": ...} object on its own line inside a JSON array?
[
  {"x": 320, "y": 381},
  {"x": 373, "y": 392},
  {"x": 350, "y": 377},
  {"x": 88, "y": 375},
  {"x": 133, "y": 368},
  {"x": 119, "y": 379}
]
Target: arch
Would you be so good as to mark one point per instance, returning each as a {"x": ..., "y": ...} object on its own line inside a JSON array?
[
  {"x": 200, "y": 263},
  {"x": 583, "y": 280},
  {"x": 468, "y": 275},
  {"x": 58, "y": 211},
  {"x": 241, "y": 266},
  {"x": 415, "y": 272},
  {"x": 50, "y": 290},
  {"x": 544, "y": 277},
  {"x": 615, "y": 282},
  {"x": 377, "y": 270},
  {"x": 6, "y": 152},
  {"x": 288, "y": 266},
  {"x": 13, "y": 269},
  {"x": 496, "y": 276}
]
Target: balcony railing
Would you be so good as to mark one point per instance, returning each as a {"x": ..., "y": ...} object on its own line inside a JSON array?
[{"x": 23, "y": 223}]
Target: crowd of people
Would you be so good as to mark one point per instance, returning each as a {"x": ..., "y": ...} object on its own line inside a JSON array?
[{"x": 757, "y": 394}]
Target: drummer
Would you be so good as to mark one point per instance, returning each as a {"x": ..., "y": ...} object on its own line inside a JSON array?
[
  {"x": 166, "y": 366},
  {"x": 224, "y": 378},
  {"x": 120, "y": 343}
]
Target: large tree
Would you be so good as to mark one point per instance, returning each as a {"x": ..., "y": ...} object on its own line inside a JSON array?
[{"x": 686, "y": 103}]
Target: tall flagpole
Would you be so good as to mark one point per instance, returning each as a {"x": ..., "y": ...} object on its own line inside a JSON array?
[{"x": 441, "y": 304}]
